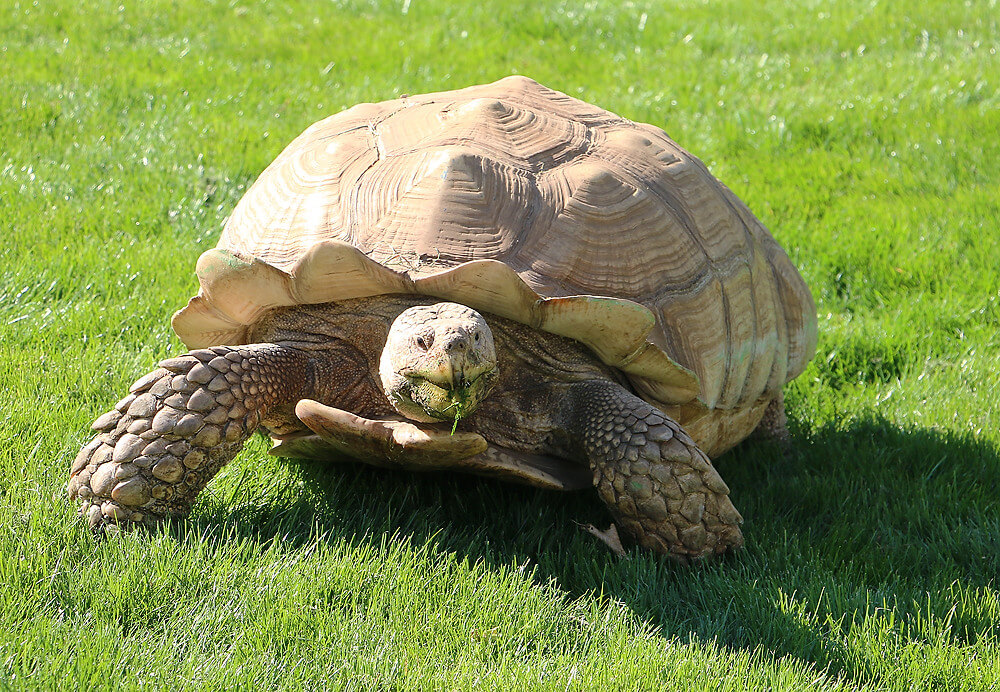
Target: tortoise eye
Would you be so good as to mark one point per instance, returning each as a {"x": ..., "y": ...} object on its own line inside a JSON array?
[
  {"x": 477, "y": 337},
  {"x": 422, "y": 342}
]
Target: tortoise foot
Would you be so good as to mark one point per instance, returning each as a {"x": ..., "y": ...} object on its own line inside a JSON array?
[
  {"x": 608, "y": 537},
  {"x": 662, "y": 490}
]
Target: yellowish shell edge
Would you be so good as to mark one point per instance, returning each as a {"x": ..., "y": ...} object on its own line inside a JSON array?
[{"x": 236, "y": 291}]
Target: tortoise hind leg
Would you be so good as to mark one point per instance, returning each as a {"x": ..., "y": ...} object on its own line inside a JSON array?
[
  {"x": 181, "y": 423},
  {"x": 773, "y": 427},
  {"x": 661, "y": 489},
  {"x": 774, "y": 424}
]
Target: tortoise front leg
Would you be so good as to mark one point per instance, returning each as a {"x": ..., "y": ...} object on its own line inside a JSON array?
[
  {"x": 179, "y": 425},
  {"x": 662, "y": 490}
]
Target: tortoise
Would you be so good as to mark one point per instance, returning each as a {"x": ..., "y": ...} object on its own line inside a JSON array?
[{"x": 502, "y": 280}]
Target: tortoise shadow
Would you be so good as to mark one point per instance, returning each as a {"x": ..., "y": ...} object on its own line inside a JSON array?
[{"x": 854, "y": 517}]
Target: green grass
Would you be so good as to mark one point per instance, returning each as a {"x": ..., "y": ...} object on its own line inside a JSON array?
[{"x": 867, "y": 137}]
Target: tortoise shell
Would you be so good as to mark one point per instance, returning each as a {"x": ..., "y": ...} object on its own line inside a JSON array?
[{"x": 521, "y": 201}]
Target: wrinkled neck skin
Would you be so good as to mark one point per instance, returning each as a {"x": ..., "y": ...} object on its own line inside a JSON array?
[
  {"x": 439, "y": 360},
  {"x": 432, "y": 362},
  {"x": 346, "y": 341}
]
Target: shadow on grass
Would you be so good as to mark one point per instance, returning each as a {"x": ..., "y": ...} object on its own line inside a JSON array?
[{"x": 856, "y": 522}]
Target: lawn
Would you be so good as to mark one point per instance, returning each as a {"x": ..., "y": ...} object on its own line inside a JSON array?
[{"x": 866, "y": 136}]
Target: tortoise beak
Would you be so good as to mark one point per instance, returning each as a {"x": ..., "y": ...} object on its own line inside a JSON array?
[
  {"x": 439, "y": 399},
  {"x": 453, "y": 376}
]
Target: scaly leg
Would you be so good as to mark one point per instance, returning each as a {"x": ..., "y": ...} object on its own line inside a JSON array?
[
  {"x": 662, "y": 490},
  {"x": 179, "y": 425}
]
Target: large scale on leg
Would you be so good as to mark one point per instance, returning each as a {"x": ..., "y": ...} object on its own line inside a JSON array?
[{"x": 644, "y": 320}]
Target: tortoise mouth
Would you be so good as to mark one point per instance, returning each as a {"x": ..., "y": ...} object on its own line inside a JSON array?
[
  {"x": 449, "y": 378},
  {"x": 416, "y": 394}
]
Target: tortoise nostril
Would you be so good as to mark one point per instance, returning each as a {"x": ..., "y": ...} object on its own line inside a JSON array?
[{"x": 456, "y": 343}]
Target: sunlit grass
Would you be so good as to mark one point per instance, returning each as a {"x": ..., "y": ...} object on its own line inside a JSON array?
[{"x": 865, "y": 135}]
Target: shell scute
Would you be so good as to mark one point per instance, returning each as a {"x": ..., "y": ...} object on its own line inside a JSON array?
[
  {"x": 502, "y": 130},
  {"x": 446, "y": 205},
  {"x": 302, "y": 198},
  {"x": 693, "y": 329},
  {"x": 577, "y": 241}
]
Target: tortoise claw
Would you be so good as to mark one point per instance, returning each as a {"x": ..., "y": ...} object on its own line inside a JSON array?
[{"x": 609, "y": 537}]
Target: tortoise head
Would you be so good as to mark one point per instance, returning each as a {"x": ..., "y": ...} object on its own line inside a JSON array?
[{"x": 439, "y": 362}]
